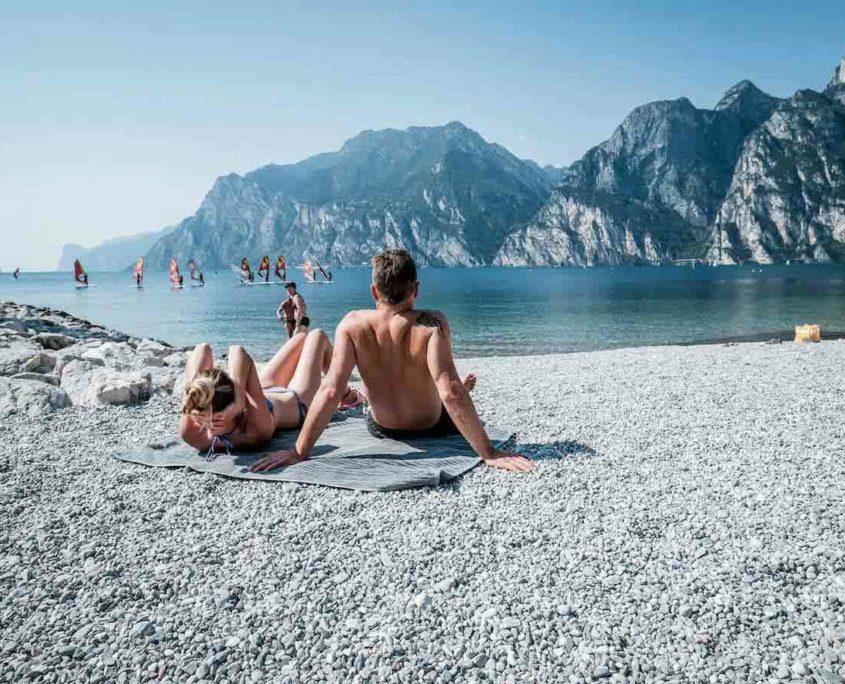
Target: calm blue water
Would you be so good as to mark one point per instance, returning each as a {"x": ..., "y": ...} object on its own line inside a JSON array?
[{"x": 492, "y": 311}]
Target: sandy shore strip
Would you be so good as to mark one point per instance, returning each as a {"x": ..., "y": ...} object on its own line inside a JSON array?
[{"x": 685, "y": 523}]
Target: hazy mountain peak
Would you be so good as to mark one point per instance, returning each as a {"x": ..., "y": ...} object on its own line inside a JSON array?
[{"x": 838, "y": 75}]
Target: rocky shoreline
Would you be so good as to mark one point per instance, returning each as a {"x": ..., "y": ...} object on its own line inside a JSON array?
[
  {"x": 684, "y": 523},
  {"x": 51, "y": 360}
]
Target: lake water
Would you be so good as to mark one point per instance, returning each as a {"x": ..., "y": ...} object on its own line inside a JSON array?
[{"x": 493, "y": 311}]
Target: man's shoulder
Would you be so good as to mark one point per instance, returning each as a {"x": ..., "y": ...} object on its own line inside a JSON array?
[
  {"x": 431, "y": 318},
  {"x": 357, "y": 318}
]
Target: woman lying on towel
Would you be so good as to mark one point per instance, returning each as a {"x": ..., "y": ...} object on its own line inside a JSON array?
[{"x": 244, "y": 408}]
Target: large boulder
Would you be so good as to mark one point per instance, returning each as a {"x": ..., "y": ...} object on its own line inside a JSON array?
[
  {"x": 162, "y": 380},
  {"x": 120, "y": 356},
  {"x": 14, "y": 325},
  {"x": 40, "y": 363},
  {"x": 178, "y": 359},
  {"x": 114, "y": 354},
  {"x": 148, "y": 347},
  {"x": 74, "y": 353},
  {"x": 179, "y": 386},
  {"x": 50, "y": 379},
  {"x": 88, "y": 384},
  {"x": 14, "y": 357},
  {"x": 54, "y": 341},
  {"x": 28, "y": 398}
]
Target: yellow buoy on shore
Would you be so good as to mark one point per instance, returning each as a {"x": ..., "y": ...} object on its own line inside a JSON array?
[{"x": 808, "y": 333}]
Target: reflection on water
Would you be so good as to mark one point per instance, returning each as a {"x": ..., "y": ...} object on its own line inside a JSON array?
[{"x": 492, "y": 310}]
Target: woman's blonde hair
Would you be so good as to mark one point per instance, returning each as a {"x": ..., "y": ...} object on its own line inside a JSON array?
[{"x": 209, "y": 392}]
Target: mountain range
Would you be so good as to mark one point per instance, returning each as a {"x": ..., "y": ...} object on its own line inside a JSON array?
[
  {"x": 756, "y": 178},
  {"x": 112, "y": 255}
]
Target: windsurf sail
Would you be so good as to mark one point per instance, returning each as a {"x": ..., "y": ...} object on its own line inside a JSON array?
[
  {"x": 138, "y": 272},
  {"x": 174, "y": 273},
  {"x": 246, "y": 271},
  {"x": 322, "y": 270},
  {"x": 308, "y": 271},
  {"x": 79, "y": 274},
  {"x": 192, "y": 267},
  {"x": 281, "y": 267},
  {"x": 264, "y": 268}
]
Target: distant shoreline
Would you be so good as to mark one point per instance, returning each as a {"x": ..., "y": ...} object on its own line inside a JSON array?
[{"x": 777, "y": 336}]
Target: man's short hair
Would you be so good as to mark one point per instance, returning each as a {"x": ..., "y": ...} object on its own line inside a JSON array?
[
  {"x": 290, "y": 285},
  {"x": 394, "y": 275}
]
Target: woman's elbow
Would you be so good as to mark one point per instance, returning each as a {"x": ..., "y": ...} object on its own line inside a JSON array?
[{"x": 236, "y": 351}]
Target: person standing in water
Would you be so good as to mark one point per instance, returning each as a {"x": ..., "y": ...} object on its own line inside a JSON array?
[
  {"x": 285, "y": 314},
  {"x": 293, "y": 311}
]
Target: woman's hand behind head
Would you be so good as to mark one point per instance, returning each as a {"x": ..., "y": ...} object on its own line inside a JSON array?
[{"x": 223, "y": 423}]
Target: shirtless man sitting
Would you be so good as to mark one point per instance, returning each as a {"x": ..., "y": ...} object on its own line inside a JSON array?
[{"x": 404, "y": 356}]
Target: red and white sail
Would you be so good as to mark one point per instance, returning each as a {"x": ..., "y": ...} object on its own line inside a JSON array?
[
  {"x": 264, "y": 266},
  {"x": 174, "y": 272},
  {"x": 246, "y": 271},
  {"x": 308, "y": 271},
  {"x": 78, "y": 272},
  {"x": 281, "y": 267}
]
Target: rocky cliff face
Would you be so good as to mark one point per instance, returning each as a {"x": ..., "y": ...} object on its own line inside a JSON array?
[
  {"x": 444, "y": 193},
  {"x": 650, "y": 192},
  {"x": 786, "y": 200}
]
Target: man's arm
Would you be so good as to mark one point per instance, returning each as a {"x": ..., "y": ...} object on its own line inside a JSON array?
[
  {"x": 458, "y": 403},
  {"x": 300, "y": 308},
  {"x": 325, "y": 402}
]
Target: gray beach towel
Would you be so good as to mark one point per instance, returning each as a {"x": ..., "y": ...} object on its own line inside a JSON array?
[{"x": 345, "y": 456}]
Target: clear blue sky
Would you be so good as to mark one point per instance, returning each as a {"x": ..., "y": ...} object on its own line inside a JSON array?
[{"x": 117, "y": 116}]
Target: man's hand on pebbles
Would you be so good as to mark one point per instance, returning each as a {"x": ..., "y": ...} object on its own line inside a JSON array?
[
  {"x": 508, "y": 460},
  {"x": 276, "y": 460}
]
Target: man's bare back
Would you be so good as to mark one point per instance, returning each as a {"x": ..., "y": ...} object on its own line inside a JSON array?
[{"x": 391, "y": 352}]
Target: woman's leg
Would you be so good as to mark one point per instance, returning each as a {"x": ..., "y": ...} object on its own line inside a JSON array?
[
  {"x": 316, "y": 358},
  {"x": 280, "y": 369}
]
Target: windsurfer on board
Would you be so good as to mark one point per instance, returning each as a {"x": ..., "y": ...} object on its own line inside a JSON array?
[
  {"x": 281, "y": 268},
  {"x": 264, "y": 268},
  {"x": 17, "y": 273}
]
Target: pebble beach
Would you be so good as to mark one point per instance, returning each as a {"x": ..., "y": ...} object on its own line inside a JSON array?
[{"x": 685, "y": 523}]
